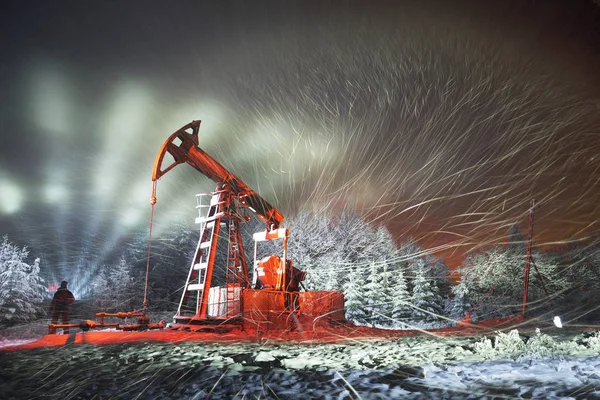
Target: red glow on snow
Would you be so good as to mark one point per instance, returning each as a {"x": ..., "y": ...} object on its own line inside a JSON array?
[{"x": 335, "y": 333}]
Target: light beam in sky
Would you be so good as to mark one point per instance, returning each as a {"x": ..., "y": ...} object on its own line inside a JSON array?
[
  {"x": 438, "y": 124},
  {"x": 12, "y": 196}
]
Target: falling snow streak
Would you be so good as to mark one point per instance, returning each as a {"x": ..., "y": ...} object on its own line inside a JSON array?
[
  {"x": 441, "y": 124},
  {"x": 450, "y": 144}
]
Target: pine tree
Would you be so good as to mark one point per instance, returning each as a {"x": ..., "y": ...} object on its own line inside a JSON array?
[
  {"x": 373, "y": 295},
  {"x": 120, "y": 283},
  {"x": 387, "y": 296},
  {"x": 112, "y": 287},
  {"x": 354, "y": 297},
  {"x": 170, "y": 263},
  {"x": 426, "y": 301},
  {"x": 99, "y": 290},
  {"x": 580, "y": 273},
  {"x": 384, "y": 247},
  {"x": 457, "y": 306},
  {"x": 324, "y": 245},
  {"x": 401, "y": 297},
  {"x": 493, "y": 279},
  {"x": 439, "y": 274},
  {"x": 331, "y": 278},
  {"x": 35, "y": 283},
  {"x": 21, "y": 287}
]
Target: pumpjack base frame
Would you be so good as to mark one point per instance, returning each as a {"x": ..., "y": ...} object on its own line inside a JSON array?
[
  {"x": 271, "y": 310},
  {"x": 206, "y": 328},
  {"x": 194, "y": 321}
]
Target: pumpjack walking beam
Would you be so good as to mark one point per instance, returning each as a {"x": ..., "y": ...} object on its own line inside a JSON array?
[{"x": 183, "y": 147}]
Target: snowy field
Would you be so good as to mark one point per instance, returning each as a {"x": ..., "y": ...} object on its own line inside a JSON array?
[{"x": 505, "y": 366}]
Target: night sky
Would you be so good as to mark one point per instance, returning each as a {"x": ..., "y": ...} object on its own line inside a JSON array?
[{"x": 440, "y": 121}]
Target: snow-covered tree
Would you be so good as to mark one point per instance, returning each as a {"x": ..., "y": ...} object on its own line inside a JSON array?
[
  {"x": 581, "y": 266},
  {"x": 325, "y": 246},
  {"x": 171, "y": 255},
  {"x": 427, "y": 276},
  {"x": 374, "y": 299},
  {"x": 355, "y": 239},
  {"x": 312, "y": 246},
  {"x": 384, "y": 248},
  {"x": 545, "y": 276},
  {"x": 355, "y": 297},
  {"x": 99, "y": 289},
  {"x": 425, "y": 300},
  {"x": 332, "y": 281},
  {"x": 119, "y": 278},
  {"x": 457, "y": 306},
  {"x": 112, "y": 287},
  {"x": 21, "y": 287},
  {"x": 412, "y": 256},
  {"x": 439, "y": 275},
  {"x": 492, "y": 280},
  {"x": 401, "y": 297},
  {"x": 387, "y": 296}
]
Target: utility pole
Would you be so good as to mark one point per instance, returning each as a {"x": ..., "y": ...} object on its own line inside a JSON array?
[
  {"x": 529, "y": 260},
  {"x": 528, "y": 256}
]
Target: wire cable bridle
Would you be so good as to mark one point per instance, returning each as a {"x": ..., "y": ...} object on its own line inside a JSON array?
[{"x": 152, "y": 203}]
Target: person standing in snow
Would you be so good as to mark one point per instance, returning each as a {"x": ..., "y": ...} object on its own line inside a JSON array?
[{"x": 60, "y": 305}]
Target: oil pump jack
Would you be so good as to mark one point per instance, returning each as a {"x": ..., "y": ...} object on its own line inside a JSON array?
[{"x": 271, "y": 299}]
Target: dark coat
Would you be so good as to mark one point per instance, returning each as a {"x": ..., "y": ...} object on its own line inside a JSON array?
[{"x": 62, "y": 299}]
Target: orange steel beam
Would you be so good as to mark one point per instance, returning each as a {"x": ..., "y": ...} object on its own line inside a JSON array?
[{"x": 182, "y": 145}]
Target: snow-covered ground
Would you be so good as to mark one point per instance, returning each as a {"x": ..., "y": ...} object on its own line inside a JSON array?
[{"x": 506, "y": 366}]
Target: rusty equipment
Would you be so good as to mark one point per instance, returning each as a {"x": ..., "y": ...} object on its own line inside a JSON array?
[
  {"x": 142, "y": 324},
  {"x": 275, "y": 285}
]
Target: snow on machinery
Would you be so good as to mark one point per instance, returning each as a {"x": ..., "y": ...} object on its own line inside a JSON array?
[{"x": 272, "y": 299}]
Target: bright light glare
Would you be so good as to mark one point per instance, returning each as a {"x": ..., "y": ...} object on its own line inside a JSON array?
[
  {"x": 51, "y": 99},
  {"x": 557, "y": 322},
  {"x": 130, "y": 218},
  {"x": 54, "y": 193},
  {"x": 123, "y": 124},
  {"x": 12, "y": 197}
]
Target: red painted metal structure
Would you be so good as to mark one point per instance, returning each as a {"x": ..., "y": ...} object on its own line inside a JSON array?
[
  {"x": 529, "y": 261},
  {"x": 142, "y": 324},
  {"x": 271, "y": 299}
]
